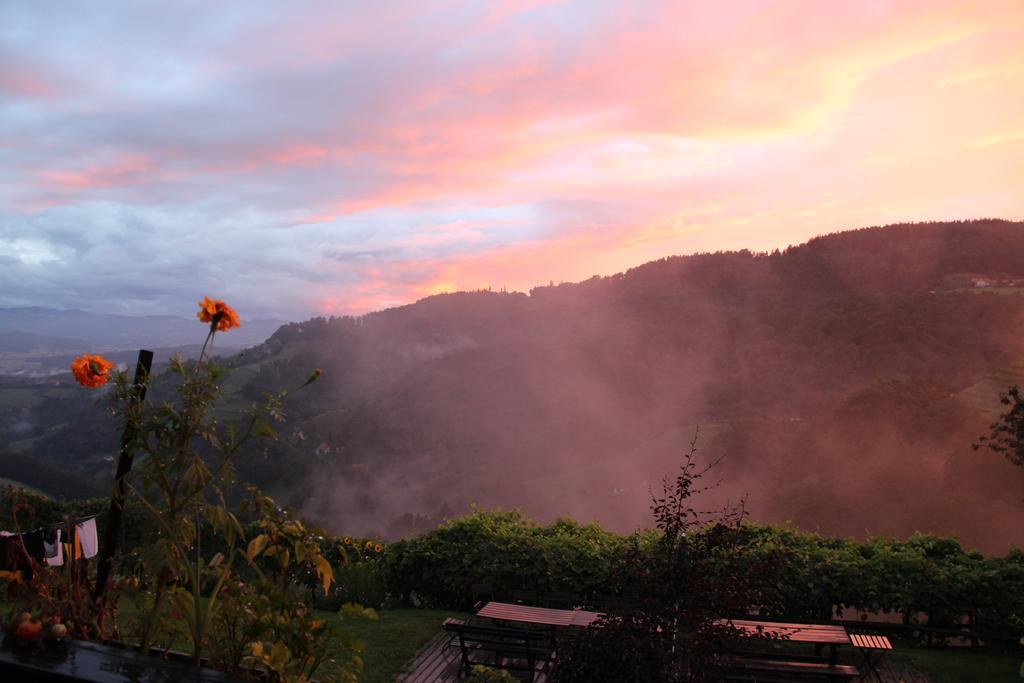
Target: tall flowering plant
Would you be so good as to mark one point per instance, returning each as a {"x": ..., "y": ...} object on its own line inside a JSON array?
[
  {"x": 182, "y": 481},
  {"x": 91, "y": 371}
]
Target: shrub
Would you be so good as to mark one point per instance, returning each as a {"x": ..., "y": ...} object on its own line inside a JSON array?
[
  {"x": 507, "y": 551},
  {"x": 360, "y": 583}
]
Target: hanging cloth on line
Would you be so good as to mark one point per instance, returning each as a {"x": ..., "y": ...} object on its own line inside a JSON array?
[
  {"x": 53, "y": 549},
  {"x": 83, "y": 544},
  {"x": 87, "y": 537},
  {"x": 73, "y": 549},
  {"x": 49, "y": 546}
]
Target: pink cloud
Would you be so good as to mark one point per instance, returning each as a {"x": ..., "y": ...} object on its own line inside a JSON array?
[
  {"x": 771, "y": 73},
  {"x": 120, "y": 173},
  {"x": 17, "y": 81},
  {"x": 298, "y": 155}
]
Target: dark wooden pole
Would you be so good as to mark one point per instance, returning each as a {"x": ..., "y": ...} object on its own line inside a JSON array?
[{"x": 124, "y": 467}]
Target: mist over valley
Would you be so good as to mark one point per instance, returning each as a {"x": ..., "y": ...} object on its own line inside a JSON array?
[
  {"x": 841, "y": 384},
  {"x": 551, "y": 340}
]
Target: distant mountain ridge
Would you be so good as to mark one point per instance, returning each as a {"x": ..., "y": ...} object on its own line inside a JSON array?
[
  {"x": 53, "y": 363},
  {"x": 106, "y": 331},
  {"x": 828, "y": 374},
  {"x": 842, "y": 381},
  {"x": 25, "y": 342}
]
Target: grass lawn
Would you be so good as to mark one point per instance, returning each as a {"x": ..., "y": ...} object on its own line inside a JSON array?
[
  {"x": 393, "y": 639},
  {"x": 951, "y": 666},
  {"x": 940, "y": 666}
]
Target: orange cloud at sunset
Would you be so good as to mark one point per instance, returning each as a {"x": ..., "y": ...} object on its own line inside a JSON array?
[{"x": 561, "y": 139}]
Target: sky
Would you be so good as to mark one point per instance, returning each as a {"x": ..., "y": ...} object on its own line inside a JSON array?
[{"x": 328, "y": 158}]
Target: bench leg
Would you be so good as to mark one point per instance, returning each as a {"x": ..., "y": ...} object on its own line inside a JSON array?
[
  {"x": 464, "y": 659},
  {"x": 871, "y": 665}
]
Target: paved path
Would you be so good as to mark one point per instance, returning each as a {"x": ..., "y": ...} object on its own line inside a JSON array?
[{"x": 437, "y": 663}]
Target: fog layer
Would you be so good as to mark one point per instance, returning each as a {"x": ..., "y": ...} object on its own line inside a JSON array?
[{"x": 842, "y": 382}]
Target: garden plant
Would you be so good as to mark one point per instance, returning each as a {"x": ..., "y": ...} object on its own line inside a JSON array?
[{"x": 228, "y": 573}]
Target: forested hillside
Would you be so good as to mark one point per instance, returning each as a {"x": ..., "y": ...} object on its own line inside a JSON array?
[{"x": 842, "y": 381}]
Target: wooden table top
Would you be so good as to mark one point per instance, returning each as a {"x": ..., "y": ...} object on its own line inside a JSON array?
[
  {"x": 528, "y": 614},
  {"x": 831, "y": 634}
]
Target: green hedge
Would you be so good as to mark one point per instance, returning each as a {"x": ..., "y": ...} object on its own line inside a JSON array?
[
  {"x": 921, "y": 576},
  {"x": 507, "y": 551}
]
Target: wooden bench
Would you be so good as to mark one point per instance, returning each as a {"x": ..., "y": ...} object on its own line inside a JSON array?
[
  {"x": 867, "y": 641},
  {"x": 516, "y": 650},
  {"x": 452, "y": 621},
  {"x": 871, "y": 648},
  {"x": 765, "y": 669}
]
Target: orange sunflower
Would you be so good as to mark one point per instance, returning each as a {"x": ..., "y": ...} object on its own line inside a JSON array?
[
  {"x": 91, "y": 371},
  {"x": 220, "y": 316}
]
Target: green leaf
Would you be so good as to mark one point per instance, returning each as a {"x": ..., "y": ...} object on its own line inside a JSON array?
[
  {"x": 279, "y": 655},
  {"x": 325, "y": 572},
  {"x": 256, "y": 546}
]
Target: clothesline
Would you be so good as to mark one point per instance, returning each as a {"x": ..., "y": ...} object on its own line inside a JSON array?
[
  {"x": 76, "y": 521},
  {"x": 56, "y": 525},
  {"x": 46, "y": 544}
]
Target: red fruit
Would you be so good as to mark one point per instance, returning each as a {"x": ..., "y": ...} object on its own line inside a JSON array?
[{"x": 28, "y": 631}]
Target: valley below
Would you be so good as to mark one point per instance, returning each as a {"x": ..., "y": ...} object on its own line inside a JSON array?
[{"x": 837, "y": 386}]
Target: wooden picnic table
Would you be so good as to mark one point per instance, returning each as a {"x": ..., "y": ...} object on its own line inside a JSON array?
[
  {"x": 546, "y": 616},
  {"x": 820, "y": 635}
]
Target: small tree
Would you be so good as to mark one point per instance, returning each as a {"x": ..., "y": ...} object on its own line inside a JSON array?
[
  {"x": 669, "y": 627},
  {"x": 1007, "y": 433},
  {"x": 1007, "y": 437}
]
